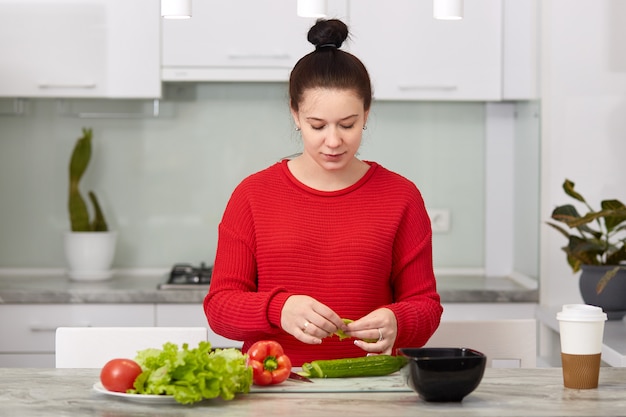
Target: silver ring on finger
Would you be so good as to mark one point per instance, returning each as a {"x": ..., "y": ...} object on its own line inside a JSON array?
[
  {"x": 306, "y": 323},
  {"x": 380, "y": 335}
]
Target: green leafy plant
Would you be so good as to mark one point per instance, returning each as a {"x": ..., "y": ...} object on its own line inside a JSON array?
[
  {"x": 597, "y": 238},
  {"x": 78, "y": 212}
]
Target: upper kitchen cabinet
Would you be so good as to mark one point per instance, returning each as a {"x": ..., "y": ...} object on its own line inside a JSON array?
[
  {"x": 412, "y": 56},
  {"x": 80, "y": 48},
  {"x": 238, "y": 40},
  {"x": 520, "y": 58}
]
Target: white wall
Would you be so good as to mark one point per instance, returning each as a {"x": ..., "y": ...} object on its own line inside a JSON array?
[
  {"x": 164, "y": 181},
  {"x": 583, "y": 83}
]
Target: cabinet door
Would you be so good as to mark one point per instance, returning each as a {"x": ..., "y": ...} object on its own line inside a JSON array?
[
  {"x": 238, "y": 40},
  {"x": 520, "y": 59},
  {"x": 30, "y": 328},
  {"x": 27, "y": 360},
  {"x": 412, "y": 56},
  {"x": 87, "y": 48}
]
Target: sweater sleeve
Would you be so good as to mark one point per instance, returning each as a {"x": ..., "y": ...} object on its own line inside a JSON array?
[
  {"x": 233, "y": 306},
  {"x": 417, "y": 305}
]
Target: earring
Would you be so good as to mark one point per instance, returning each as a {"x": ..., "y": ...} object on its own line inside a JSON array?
[
  {"x": 364, "y": 127},
  {"x": 297, "y": 128}
]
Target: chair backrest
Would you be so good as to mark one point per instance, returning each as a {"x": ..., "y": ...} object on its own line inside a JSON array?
[
  {"x": 508, "y": 343},
  {"x": 93, "y": 347}
]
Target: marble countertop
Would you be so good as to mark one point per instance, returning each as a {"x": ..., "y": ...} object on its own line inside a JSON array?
[
  {"x": 530, "y": 392},
  {"x": 36, "y": 287}
]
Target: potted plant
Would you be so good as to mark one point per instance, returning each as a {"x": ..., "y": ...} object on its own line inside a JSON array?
[
  {"x": 89, "y": 246},
  {"x": 597, "y": 247}
]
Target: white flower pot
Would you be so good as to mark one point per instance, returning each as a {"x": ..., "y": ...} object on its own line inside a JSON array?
[{"x": 90, "y": 255}]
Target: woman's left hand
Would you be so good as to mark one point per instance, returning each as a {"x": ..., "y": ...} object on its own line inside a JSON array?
[{"x": 375, "y": 332}]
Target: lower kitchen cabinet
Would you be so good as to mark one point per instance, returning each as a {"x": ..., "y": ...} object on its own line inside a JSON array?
[
  {"x": 174, "y": 315},
  {"x": 26, "y": 360},
  {"x": 28, "y": 330},
  {"x": 487, "y": 311}
]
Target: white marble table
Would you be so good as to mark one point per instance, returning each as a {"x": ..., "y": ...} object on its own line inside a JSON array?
[{"x": 503, "y": 392}]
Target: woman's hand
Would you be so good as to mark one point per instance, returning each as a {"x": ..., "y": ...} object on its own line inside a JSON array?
[
  {"x": 375, "y": 332},
  {"x": 308, "y": 320}
]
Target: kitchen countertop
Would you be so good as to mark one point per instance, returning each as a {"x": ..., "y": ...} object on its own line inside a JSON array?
[
  {"x": 55, "y": 287},
  {"x": 530, "y": 392}
]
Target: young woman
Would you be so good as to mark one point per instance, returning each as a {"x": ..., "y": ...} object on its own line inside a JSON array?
[{"x": 326, "y": 236}]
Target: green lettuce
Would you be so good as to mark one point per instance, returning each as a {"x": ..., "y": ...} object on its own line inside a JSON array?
[{"x": 191, "y": 375}]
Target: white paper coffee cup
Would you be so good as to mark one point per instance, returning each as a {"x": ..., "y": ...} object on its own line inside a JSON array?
[{"x": 582, "y": 329}]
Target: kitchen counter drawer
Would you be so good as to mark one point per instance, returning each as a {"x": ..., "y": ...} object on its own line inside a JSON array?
[
  {"x": 31, "y": 328},
  {"x": 27, "y": 360}
]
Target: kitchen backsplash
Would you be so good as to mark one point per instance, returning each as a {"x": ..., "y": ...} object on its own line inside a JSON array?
[{"x": 164, "y": 181}]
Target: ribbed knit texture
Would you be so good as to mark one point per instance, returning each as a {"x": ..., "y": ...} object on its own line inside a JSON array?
[{"x": 355, "y": 250}]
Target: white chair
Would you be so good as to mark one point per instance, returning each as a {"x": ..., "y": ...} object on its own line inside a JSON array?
[
  {"x": 507, "y": 343},
  {"x": 93, "y": 347}
]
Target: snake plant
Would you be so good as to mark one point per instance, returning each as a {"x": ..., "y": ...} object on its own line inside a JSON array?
[{"x": 78, "y": 212}]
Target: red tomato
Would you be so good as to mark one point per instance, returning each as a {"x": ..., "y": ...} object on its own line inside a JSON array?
[{"x": 119, "y": 374}]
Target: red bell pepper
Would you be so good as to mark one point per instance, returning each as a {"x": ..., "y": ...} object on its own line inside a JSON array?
[{"x": 269, "y": 363}]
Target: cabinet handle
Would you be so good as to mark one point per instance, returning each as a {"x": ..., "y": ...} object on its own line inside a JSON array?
[
  {"x": 259, "y": 56},
  {"x": 18, "y": 108},
  {"x": 103, "y": 115},
  {"x": 85, "y": 86},
  {"x": 53, "y": 328},
  {"x": 428, "y": 87}
]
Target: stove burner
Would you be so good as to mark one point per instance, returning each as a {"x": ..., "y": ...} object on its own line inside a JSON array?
[{"x": 187, "y": 276}]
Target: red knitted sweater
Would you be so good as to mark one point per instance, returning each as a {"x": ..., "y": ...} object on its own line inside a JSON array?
[{"x": 355, "y": 250}]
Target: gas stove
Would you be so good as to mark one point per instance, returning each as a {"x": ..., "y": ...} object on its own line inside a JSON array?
[{"x": 188, "y": 277}]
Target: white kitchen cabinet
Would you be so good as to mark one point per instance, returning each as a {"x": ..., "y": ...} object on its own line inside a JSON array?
[
  {"x": 520, "y": 58},
  {"x": 29, "y": 329},
  {"x": 412, "y": 56},
  {"x": 80, "y": 48},
  {"x": 488, "y": 311},
  {"x": 185, "y": 315},
  {"x": 238, "y": 40}
]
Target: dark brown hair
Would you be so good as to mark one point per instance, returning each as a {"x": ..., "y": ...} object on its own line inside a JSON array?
[{"x": 328, "y": 66}]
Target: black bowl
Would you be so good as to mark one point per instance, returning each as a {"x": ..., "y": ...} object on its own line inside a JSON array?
[{"x": 443, "y": 374}]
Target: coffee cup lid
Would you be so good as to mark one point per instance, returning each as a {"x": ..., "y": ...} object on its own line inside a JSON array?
[{"x": 581, "y": 312}]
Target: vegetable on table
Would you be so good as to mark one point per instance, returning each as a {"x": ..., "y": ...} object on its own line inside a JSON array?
[
  {"x": 342, "y": 335},
  {"x": 191, "y": 375},
  {"x": 118, "y": 375},
  {"x": 374, "y": 365},
  {"x": 269, "y": 363}
]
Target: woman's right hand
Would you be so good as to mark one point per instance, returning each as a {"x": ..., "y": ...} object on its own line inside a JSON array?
[{"x": 308, "y": 320}]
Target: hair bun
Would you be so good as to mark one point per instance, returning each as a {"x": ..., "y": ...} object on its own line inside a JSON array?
[{"x": 332, "y": 32}]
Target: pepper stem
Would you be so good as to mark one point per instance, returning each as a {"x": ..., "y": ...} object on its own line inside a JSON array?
[{"x": 270, "y": 363}]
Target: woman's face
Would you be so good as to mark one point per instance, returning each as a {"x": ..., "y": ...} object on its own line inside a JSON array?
[{"x": 331, "y": 123}]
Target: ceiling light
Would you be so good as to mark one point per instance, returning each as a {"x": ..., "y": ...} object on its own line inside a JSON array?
[
  {"x": 176, "y": 9},
  {"x": 448, "y": 9},
  {"x": 312, "y": 8}
]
